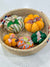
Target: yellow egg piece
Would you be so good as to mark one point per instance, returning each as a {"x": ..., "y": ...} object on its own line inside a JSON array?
[
  {"x": 5, "y": 37},
  {"x": 34, "y": 27},
  {"x": 7, "y": 42},
  {"x": 13, "y": 42},
  {"x": 28, "y": 27},
  {"x": 40, "y": 24}
]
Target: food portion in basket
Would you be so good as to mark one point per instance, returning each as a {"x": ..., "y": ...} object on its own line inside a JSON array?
[
  {"x": 38, "y": 37},
  {"x": 9, "y": 39},
  {"x": 12, "y": 23},
  {"x": 25, "y": 43},
  {"x": 33, "y": 23},
  {"x": 22, "y": 42}
]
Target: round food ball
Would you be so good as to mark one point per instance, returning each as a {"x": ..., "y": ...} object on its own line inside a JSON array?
[
  {"x": 13, "y": 23},
  {"x": 25, "y": 43},
  {"x": 38, "y": 37},
  {"x": 35, "y": 23}
]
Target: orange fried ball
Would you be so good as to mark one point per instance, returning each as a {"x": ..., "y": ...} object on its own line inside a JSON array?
[
  {"x": 33, "y": 23},
  {"x": 9, "y": 39}
]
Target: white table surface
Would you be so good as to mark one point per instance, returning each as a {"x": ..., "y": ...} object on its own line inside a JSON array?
[{"x": 40, "y": 59}]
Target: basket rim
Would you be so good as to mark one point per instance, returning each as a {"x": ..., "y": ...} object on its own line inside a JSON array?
[{"x": 2, "y": 43}]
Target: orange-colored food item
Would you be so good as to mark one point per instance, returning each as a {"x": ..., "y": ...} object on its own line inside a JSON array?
[
  {"x": 34, "y": 24},
  {"x": 9, "y": 39}
]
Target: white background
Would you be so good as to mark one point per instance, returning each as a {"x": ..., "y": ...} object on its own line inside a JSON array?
[{"x": 40, "y": 59}]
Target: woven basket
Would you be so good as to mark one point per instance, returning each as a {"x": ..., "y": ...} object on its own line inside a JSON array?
[{"x": 23, "y": 13}]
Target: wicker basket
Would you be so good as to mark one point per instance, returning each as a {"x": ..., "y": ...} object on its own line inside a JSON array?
[{"x": 23, "y": 13}]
